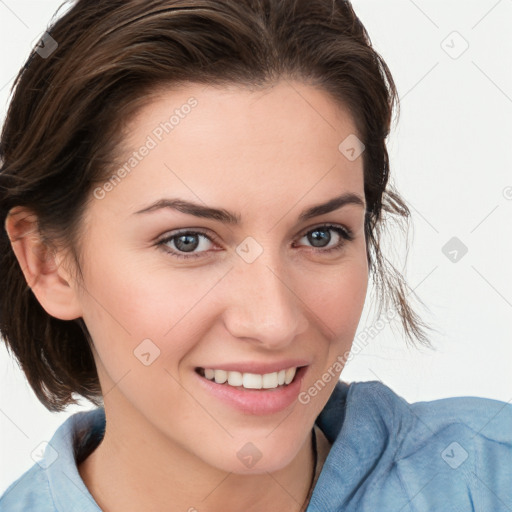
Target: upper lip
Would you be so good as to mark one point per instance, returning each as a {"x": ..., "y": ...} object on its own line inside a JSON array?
[{"x": 255, "y": 367}]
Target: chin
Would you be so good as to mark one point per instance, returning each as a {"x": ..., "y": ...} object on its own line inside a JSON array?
[{"x": 252, "y": 458}]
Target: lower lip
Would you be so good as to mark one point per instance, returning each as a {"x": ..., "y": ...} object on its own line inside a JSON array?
[{"x": 256, "y": 401}]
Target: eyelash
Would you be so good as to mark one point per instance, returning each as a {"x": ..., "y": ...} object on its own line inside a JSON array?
[{"x": 345, "y": 236}]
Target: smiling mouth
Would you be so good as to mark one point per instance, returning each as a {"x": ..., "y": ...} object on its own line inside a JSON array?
[{"x": 246, "y": 380}]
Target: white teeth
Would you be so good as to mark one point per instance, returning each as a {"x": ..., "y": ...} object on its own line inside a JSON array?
[
  {"x": 220, "y": 376},
  {"x": 290, "y": 373},
  {"x": 235, "y": 378},
  {"x": 270, "y": 380},
  {"x": 251, "y": 380}
]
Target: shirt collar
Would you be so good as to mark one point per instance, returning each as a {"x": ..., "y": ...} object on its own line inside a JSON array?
[
  {"x": 353, "y": 421},
  {"x": 68, "y": 490}
]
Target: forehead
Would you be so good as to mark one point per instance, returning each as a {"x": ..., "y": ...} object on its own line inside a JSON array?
[
  {"x": 206, "y": 142},
  {"x": 234, "y": 111}
]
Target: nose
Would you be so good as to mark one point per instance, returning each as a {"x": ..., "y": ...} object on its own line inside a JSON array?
[{"x": 262, "y": 304}]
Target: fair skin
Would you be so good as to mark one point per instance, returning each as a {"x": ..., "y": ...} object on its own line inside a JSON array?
[{"x": 267, "y": 156}]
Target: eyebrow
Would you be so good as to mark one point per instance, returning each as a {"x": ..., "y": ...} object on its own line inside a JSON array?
[{"x": 227, "y": 217}]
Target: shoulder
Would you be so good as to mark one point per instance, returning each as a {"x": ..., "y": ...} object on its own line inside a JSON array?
[
  {"x": 491, "y": 419},
  {"x": 53, "y": 483},
  {"x": 30, "y": 492},
  {"x": 481, "y": 423},
  {"x": 452, "y": 429},
  {"x": 436, "y": 455}
]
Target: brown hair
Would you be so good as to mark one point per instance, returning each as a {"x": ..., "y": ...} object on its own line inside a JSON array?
[{"x": 65, "y": 122}]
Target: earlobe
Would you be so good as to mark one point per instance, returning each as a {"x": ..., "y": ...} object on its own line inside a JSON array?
[{"x": 41, "y": 266}]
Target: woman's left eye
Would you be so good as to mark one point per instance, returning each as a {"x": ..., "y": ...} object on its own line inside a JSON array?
[
  {"x": 321, "y": 234},
  {"x": 186, "y": 242}
]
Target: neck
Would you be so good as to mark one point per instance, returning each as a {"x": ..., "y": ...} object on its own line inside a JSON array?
[{"x": 130, "y": 473}]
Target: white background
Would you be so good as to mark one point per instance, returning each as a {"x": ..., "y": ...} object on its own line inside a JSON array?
[{"x": 451, "y": 159}]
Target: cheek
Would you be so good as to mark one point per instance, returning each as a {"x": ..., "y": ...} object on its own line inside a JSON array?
[
  {"x": 126, "y": 303},
  {"x": 337, "y": 306},
  {"x": 336, "y": 295},
  {"x": 143, "y": 325}
]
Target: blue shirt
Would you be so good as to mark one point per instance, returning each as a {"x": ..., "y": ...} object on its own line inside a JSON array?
[{"x": 387, "y": 455}]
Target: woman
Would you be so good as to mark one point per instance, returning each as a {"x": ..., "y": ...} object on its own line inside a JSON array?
[{"x": 193, "y": 192}]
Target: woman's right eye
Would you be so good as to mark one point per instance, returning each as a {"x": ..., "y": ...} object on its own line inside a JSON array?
[{"x": 183, "y": 243}]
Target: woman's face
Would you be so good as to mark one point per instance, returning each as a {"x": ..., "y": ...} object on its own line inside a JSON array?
[{"x": 271, "y": 291}]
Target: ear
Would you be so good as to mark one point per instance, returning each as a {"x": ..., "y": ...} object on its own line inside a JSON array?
[{"x": 41, "y": 266}]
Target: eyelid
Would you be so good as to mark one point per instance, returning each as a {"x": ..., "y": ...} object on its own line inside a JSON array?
[
  {"x": 326, "y": 225},
  {"x": 175, "y": 233}
]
